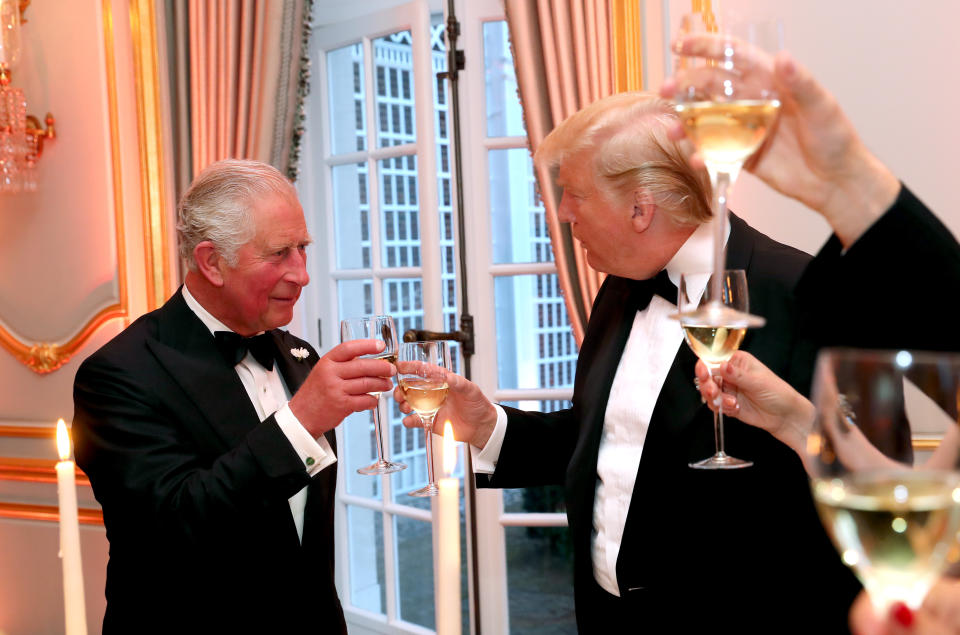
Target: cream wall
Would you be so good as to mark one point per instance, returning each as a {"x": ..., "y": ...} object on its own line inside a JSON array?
[{"x": 73, "y": 271}]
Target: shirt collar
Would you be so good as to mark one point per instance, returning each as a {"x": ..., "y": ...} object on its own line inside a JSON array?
[
  {"x": 696, "y": 254},
  {"x": 212, "y": 323}
]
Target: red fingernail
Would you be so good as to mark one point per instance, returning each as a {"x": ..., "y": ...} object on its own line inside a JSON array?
[{"x": 902, "y": 614}]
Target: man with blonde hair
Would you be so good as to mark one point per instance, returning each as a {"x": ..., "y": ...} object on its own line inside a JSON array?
[
  {"x": 658, "y": 546},
  {"x": 207, "y": 432}
]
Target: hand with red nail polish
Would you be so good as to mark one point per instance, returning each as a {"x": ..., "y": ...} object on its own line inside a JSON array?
[{"x": 937, "y": 616}]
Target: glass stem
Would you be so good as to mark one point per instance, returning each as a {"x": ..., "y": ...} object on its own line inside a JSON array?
[
  {"x": 722, "y": 181},
  {"x": 428, "y": 439},
  {"x": 718, "y": 418},
  {"x": 379, "y": 432}
]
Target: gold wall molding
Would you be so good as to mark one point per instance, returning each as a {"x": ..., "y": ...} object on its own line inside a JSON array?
[
  {"x": 46, "y": 357},
  {"x": 29, "y": 432},
  {"x": 149, "y": 126},
  {"x": 627, "y": 38},
  {"x": 34, "y": 471},
  {"x": 49, "y": 513}
]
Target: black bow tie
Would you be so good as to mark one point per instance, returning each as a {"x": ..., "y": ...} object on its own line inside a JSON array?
[
  {"x": 234, "y": 347},
  {"x": 660, "y": 285}
]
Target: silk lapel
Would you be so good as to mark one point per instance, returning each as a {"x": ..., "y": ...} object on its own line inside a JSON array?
[
  {"x": 295, "y": 371},
  {"x": 184, "y": 346}
]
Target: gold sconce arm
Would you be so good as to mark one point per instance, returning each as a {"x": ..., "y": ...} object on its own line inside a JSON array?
[{"x": 38, "y": 134}]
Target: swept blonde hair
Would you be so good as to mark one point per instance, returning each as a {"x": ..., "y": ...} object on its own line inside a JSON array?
[{"x": 630, "y": 149}]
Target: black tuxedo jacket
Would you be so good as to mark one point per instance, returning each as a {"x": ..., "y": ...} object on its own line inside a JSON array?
[
  {"x": 194, "y": 488},
  {"x": 735, "y": 545},
  {"x": 742, "y": 549}
]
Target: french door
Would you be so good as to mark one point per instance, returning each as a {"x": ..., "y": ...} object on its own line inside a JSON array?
[{"x": 377, "y": 189}]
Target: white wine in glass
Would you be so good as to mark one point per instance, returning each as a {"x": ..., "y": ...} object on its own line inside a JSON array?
[
  {"x": 714, "y": 326},
  {"x": 890, "y": 505},
  {"x": 378, "y": 327},
  {"x": 727, "y": 102},
  {"x": 422, "y": 373}
]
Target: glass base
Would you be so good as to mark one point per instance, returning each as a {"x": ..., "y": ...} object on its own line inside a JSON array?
[
  {"x": 712, "y": 314},
  {"x": 382, "y": 467},
  {"x": 431, "y": 489},
  {"x": 720, "y": 461}
]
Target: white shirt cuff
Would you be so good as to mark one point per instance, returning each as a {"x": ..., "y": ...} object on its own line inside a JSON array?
[
  {"x": 316, "y": 454},
  {"x": 485, "y": 460}
]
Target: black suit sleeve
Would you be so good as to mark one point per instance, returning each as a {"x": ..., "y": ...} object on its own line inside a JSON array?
[
  {"x": 156, "y": 465},
  {"x": 885, "y": 291},
  {"x": 535, "y": 451}
]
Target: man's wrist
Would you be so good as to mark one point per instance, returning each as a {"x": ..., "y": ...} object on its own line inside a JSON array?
[{"x": 485, "y": 429}]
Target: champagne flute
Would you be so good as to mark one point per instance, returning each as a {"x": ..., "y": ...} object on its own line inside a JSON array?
[
  {"x": 727, "y": 102},
  {"x": 421, "y": 371},
  {"x": 714, "y": 327},
  {"x": 378, "y": 327},
  {"x": 882, "y": 458}
]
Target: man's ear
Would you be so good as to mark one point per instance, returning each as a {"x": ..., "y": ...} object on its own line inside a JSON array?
[
  {"x": 209, "y": 261},
  {"x": 644, "y": 209}
]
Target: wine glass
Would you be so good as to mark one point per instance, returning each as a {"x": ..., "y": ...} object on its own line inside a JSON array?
[
  {"x": 714, "y": 327},
  {"x": 882, "y": 458},
  {"x": 378, "y": 327},
  {"x": 727, "y": 102},
  {"x": 421, "y": 371}
]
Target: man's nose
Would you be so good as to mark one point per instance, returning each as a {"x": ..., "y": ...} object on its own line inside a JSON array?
[
  {"x": 298, "y": 268},
  {"x": 565, "y": 209}
]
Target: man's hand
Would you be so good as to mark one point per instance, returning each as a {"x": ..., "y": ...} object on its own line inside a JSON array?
[
  {"x": 813, "y": 152},
  {"x": 339, "y": 385},
  {"x": 472, "y": 415}
]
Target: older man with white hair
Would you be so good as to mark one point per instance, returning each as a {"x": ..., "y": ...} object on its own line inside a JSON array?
[{"x": 207, "y": 432}]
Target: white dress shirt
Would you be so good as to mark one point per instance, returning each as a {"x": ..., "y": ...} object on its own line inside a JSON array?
[
  {"x": 270, "y": 395},
  {"x": 646, "y": 360}
]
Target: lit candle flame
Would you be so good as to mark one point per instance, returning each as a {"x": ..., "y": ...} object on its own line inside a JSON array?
[
  {"x": 449, "y": 449},
  {"x": 63, "y": 440}
]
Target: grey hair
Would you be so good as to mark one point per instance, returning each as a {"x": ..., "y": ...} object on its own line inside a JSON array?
[{"x": 216, "y": 206}]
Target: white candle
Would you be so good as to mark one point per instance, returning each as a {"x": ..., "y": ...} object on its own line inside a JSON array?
[
  {"x": 73, "y": 602},
  {"x": 448, "y": 530}
]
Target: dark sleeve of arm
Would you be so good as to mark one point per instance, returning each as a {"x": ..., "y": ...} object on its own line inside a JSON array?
[
  {"x": 886, "y": 290},
  {"x": 536, "y": 449},
  {"x": 147, "y": 463}
]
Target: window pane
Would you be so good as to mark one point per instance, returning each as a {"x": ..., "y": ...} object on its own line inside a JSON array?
[
  {"x": 351, "y": 213},
  {"x": 518, "y": 222},
  {"x": 348, "y": 127},
  {"x": 393, "y": 59},
  {"x": 414, "y": 570},
  {"x": 504, "y": 115},
  {"x": 359, "y": 449},
  {"x": 540, "y": 580},
  {"x": 535, "y": 346},
  {"x": 367, "y": 577},
  {"x": 400, "y": 214},
  {"x": 355, "y": 298}
]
